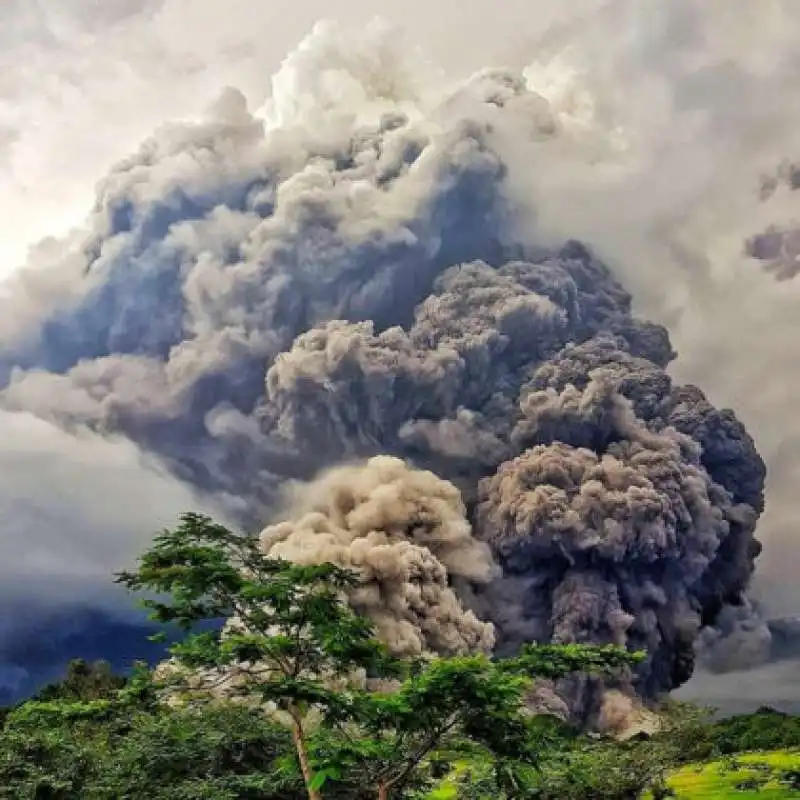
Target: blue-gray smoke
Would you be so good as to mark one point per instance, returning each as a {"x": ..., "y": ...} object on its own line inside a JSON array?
[
  {"x": 778, "y": 247},
  {"x": 260, "y": 302}
]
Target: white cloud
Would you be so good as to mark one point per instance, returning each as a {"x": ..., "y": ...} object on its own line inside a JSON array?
[
  {"x": 74, "y": 508},
  {"x": 83, "y": 82}
]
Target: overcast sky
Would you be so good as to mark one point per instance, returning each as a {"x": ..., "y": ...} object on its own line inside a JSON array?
[{"x": 83, "y": 81}]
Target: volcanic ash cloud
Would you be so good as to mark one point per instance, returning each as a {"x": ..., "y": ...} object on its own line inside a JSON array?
[
  {"x": 405, "y": 532},
  {"x": 347, "y": 284}
]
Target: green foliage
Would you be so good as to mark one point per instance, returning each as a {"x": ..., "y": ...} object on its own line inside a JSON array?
[
  {"x": 568, "y": 766},
  {"x": 104, "y": 749},
  {"x": 47, "y": 712},
  {"x": 224, "y": 752},
  {"x": 573, "y": 766},
  {"x": 477, "y": 774},
  {"x": 599, "y": 770},
  {"x": 766, "y": 776},
  {"x": 554, "y": 661},
  {"x": 83, "y": 681},
  {"x": 466, "y": 707},
  {"x": 767, "y": 729},
  {"x": 294, "y": 622},
  {"x": 220, "y": 752},
  {"x": 294, "y": 632}
]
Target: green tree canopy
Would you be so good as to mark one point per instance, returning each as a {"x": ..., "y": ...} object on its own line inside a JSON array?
[{"x": 292, "y": 643}]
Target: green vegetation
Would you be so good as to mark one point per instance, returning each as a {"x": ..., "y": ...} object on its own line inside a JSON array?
[
  {"x": 744, "y": 777},
  {"x": 277, "y": 704},
  {"x": 765, "y": 730},
  {"x": 747, "y": 756},
  {"x": 104, "y": 750},
  {"x": 293, "y": 642}
]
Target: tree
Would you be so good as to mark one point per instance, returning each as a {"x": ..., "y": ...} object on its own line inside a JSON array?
[
  {"x": 291, "y": 634},
  {"x": 463, "y": 707},
  {"x": 589, "y": 768},
  {"x": 106, "y": 750},
  {"x": 83, "y": 681},
  {"x": 293, "y": 643}
]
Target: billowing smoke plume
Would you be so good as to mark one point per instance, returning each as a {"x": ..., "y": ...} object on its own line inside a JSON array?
[
  {"x": 406, "y": 533},
  {"x": 260, "y": 300}
]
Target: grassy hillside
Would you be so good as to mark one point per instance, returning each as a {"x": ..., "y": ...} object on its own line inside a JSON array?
[{"x": 766, "y": 776}]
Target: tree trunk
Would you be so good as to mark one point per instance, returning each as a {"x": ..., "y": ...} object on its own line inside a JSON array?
[
  {"x": 302, "y": 754},
  {"x": 383, "y": 791}
]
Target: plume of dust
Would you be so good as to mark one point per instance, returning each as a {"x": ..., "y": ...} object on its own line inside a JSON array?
[{"x": 404, "y": 531}]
